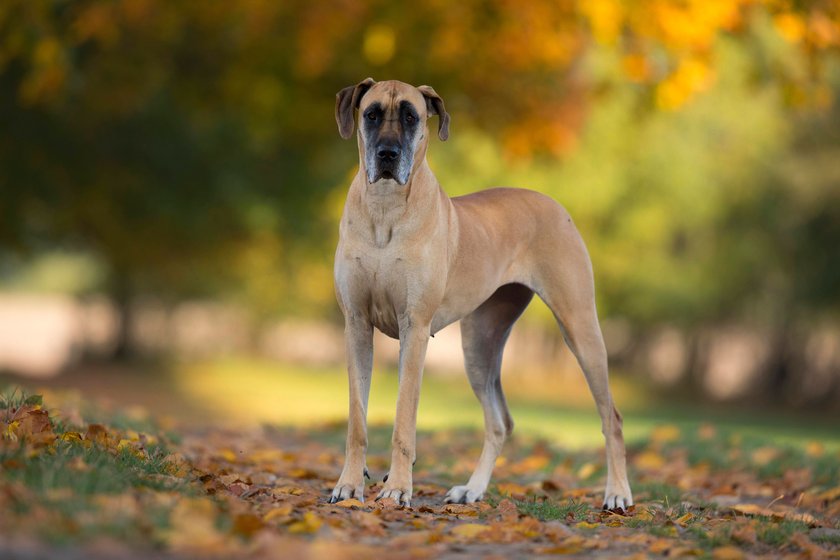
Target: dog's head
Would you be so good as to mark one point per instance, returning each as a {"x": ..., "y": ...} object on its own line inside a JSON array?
[{"x": 393, "y": 132}]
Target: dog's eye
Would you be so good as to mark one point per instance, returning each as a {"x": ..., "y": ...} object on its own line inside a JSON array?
[
  {"x": 371, "y": 116},
  {"x": 410, "y": 119}
]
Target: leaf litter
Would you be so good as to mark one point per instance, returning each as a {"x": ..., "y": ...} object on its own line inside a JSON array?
[{"x": 113, "y": 489}]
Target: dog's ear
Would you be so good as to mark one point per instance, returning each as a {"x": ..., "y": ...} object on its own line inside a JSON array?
[
  {"x": 346, "y": 103},
  {"x": 434, "y": 106}
]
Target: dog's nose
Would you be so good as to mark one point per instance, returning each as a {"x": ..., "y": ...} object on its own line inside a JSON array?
[{"x": 388, "y": 152}]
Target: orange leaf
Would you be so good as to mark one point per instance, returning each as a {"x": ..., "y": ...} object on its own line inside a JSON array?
[
  {"x": 469, "y": 530},
  {"x": 309, "y": 524},
  {"x": 727, "y": 553}
]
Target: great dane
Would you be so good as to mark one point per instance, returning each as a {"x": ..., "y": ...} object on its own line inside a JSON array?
[{"x": 410, "y": 261}]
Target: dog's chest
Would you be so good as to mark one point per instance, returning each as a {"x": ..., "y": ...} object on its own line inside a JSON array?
[{"x": 375, "y": 284}]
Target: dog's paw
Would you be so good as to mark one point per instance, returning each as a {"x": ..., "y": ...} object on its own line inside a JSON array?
[
  {"x": 402, "y": 496},
  {"x": 463, "y": 495},
  {"x": 347, "y": 491},
  {"x": 617, "y": 500}
]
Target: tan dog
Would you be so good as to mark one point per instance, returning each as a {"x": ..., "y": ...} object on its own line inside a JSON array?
[{"x": 410, "y": 261}]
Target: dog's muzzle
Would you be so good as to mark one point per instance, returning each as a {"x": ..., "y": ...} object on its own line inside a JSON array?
[{"x": 390, "y": 161}]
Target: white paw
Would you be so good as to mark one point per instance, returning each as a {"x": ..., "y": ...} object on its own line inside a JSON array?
[
  {"x": 615, "y": 499},
  {"x": 463, "y": 495},
  {"x": 346, "y": 491},
  {"x": 400, "y": 495}
]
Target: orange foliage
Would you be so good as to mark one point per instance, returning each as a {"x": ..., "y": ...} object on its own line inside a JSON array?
[{"x": 517, "y": 58}]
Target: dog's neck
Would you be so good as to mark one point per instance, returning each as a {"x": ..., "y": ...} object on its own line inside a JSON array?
[{"x": 392, "y": 207}]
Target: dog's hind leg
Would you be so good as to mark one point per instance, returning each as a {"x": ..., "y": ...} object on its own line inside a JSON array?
[
  {"x": 570, "y": 294},
  {"x": 483, "y": 336}
]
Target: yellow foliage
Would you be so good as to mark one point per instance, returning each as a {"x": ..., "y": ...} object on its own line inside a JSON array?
[
  {"x": 469, "y": 530},
  {"x": 379, "y": 44},
  {"x": 605, "y": 17},
  {"x": 790, "y": 27}
]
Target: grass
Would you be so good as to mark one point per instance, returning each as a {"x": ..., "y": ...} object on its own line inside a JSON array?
[
  {"x": 775, "y": 534},
  {"x": 88, "y": 470},
  {"x": 657, "y": 492},
  {"x": 252, "y": 391},
  {"x": 73, "y": 489},
  {"x": 546, "y": 510}
]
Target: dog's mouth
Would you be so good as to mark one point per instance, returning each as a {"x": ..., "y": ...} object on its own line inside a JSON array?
[{"x": 386, "y": 174}]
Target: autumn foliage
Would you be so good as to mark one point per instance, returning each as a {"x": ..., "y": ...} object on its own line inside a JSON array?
[{"x": 263, "y": 493}]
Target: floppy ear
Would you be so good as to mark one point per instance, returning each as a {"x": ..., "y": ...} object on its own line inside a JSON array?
[
  {"x": 434, "y": 106},
  {"x": 346, "y": 103}
]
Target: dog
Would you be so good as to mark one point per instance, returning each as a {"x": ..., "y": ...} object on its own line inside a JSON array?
[{"x": 410, "y": 261}]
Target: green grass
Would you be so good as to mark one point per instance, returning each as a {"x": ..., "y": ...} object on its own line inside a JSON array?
[
  {"x": 87, "y": 471},
  {"x": 710, "y": 539},
  {"x": 657, "y": 492},
  {"x": 12, "y": 398},
  {"x": 827, "y": 539},
  {"x": 775, "y": 534},
  {"x": 252, "y": 391},
  {"x": 74, "y": 488},
  {"x": 546, "y": 510}
]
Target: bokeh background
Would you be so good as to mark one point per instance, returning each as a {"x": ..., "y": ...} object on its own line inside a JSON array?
[{"x": 171, "y": 180}]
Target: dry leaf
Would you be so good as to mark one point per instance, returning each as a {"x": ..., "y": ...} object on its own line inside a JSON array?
[
  {"x": 309, "y": 524},
  {"x": 727, "y": 553},
  {"x": 469, "y": 530},
  {"x": 350, "y": 503}
]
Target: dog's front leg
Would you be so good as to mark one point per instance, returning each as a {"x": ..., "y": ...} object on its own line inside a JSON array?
[
  {"x": 413, "y": 342},
  {"x": 358, "y": 335}
]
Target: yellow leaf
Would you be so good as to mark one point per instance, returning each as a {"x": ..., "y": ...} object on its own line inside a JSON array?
[
  {"x": 74, "y": 437},
  {"x": 649, "y": 460},
  {"x": 469, "y": 530},
  {"x": 665, "y": 433},
  {"x": 228, "y": 455},
  {"x": 11, "y": 431},
  {"x": 511, "y": 488},
  {"x": 727, "y": 553},
  {"x": 763, "y": 455},
  {"x": 193, "y": 525},
  {"x": 587, "y": 525},
  {"x": 815, "y": 449},
  {"x": 350, "y": 503},
  {"x": 684, "y": 520},
  {"x": 309, "y": 524},
  {"x": 660, "y": 546},
  {"x": 644, "y": 514},
  {"x": 829, "y": 495},
  {"x": 281, "y": 511},
  {"x": 587, "y": 470}
]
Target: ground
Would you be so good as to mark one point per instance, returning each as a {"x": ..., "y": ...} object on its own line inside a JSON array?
[{"x": 81, "y": 479}]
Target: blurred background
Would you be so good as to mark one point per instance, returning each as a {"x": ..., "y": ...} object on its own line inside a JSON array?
[{"x": 171, "y": 180}]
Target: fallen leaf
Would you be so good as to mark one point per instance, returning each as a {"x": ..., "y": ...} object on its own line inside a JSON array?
[
  {"x": 727, "y": 553},
  {"x": 279, "y": 512},
  {"x": 469, "y": 530},
  {"x": 309, "y": 524},
  {"x": 649, "y": 460},
  {"x": 684, "y": 520},
  {"x": 665, "y": 433},
  {"x": 193, "y": 526},
  {"x": 350, "y": 503},
  {"x": 246, "y": 524},
  {"x": 511, "y": 489}
]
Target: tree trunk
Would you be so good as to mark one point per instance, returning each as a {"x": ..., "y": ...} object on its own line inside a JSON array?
[{"x": 121, "y": 295}]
